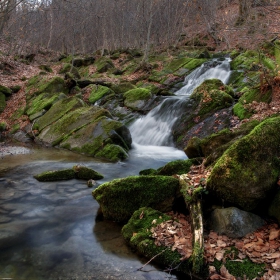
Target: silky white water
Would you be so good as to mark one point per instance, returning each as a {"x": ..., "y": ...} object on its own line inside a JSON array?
[{"x": 153, "y": 132}]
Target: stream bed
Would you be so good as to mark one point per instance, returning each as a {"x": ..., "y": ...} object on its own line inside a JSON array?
[{"x": 50, "y": 230}]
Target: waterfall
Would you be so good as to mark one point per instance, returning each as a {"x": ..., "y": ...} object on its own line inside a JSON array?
[{"x": 156, "y": 127}]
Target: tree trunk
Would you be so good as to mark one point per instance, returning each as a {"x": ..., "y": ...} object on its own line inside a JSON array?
[{"x": 244, "y": 8}]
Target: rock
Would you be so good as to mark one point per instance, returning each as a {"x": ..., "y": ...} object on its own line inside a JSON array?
[
  {"x": 247, "y": 172},
  {"x": 98, "y": 91},
  {"x": 234, "y": 222},
  {"x": 136, "y": 99},
  {"x": 6, "y": 91},
  {"x": 83, "y": 172},
  {"x": 55, "y": 175},
  {"x": 119, "y": 198}
]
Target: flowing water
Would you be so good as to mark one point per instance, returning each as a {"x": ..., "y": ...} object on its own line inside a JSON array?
[{"x": 50, "y": 230}]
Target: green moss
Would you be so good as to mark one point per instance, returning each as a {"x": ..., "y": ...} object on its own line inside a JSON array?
[
  {"x": 2, "y": 102},
  {"x": 121, "y": 197},
  {"x": 18, "y": 113},
  {"x": 103, "y": 64},
  {"x": 194, "y": 63},
  {"x": 97, "y": 92},
  {"x": 246, "y": 60},
  {"x": 149, "y": 171},
  {"x": 137, "y": 94},
  {"x": 56, "y": 175},
  {"x": 243, "y": 269},
  {"x": 112, "y": 152},
  {"x": 83, "y": 172},
  {"x": 41, "y": 102}
]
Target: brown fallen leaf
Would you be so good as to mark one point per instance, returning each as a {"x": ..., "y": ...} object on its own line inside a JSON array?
[
  {"x": 274, "y": 233},
  {"x": 224, "y": 273}
]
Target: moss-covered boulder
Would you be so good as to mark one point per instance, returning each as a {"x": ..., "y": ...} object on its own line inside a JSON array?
[
  {"x": 55, "y": 175},
  {"x": 69, "y": 68},
  {"x": 246, "y": 174},
  {"x": 83, "y": 172},
  {"x": 2, "y": 102},
  {"x": 247, "y": 60},
  {"x": 95, "y": 138},
  {"x": 6, "y": 91},
  {"x": 122, "y": 87},
  {"x": 103, "y": 64},
  {"x": 137, "y": 233},
  {"x": 136, "y": 99},
  {"x": 61, "y": 108},
  {"x": 119, "y": 198},
  {"x": 98, "y": 92},
  {"x": 207, "y": 110}
]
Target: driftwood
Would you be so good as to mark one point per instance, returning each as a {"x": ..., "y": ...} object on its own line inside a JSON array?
[{"x": 192, "y": 198}]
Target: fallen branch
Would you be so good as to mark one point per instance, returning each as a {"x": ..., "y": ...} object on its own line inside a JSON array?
[{"x": 151, "y": 259}]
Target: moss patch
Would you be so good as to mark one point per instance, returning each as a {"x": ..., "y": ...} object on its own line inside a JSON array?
[
  {"x": 135, "y": 98},
  {"x": 2, "y": 102},
  {"x": 83, "y": 172}
]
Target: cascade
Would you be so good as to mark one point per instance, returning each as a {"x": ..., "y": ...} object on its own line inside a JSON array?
[{"x": 155, "y": 129}]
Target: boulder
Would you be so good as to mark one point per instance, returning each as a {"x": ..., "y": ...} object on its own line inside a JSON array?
[
  {"x": 234, "y": 222},
  {"x": 247, "y": 172},
  {"x": 119, "y": 198},
  {"x": 6, "y": 91}
]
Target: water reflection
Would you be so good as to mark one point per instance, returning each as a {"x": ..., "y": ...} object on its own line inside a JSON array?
[{"x": 49, "y": 230}]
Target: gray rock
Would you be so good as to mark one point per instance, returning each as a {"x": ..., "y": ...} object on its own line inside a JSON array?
[{"x": 234, "y": 222}]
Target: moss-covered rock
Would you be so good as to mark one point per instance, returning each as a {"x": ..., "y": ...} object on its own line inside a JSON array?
[
  {"x": 119, "y": 198},
  {"x": 247, "y": 60},
  {"x": 212, "y": 95},
  {"x": 2, "y": 102},
  {"x": 136, "y": 99},
  {"x": 6, "y": 91},
  {"x": 207, "y": 110},
  {"x": 60, "y": 109},
  {"x": 247, "y": 172},
  {"x": 97, "y": 92},
  {"x": 83, "y": 172},
  {"x": 137, "y": 233},
  {"x": 55, "y": 85},
  {"x": 56, "y": 175},
  {"x": 112, "y": 152},
  {"x": 46, "y": 68}
]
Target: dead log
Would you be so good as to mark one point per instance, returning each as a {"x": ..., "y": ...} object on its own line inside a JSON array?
[{"x": 192, "y": 196}]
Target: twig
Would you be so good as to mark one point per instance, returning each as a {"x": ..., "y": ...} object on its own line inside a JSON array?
[{"x": 151, "y": 259}]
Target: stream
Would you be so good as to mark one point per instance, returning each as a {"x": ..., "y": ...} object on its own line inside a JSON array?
[{"x": 51, "y": 230}]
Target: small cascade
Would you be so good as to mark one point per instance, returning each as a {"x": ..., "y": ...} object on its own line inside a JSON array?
[{"x": 155, "y": 129}]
